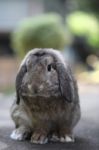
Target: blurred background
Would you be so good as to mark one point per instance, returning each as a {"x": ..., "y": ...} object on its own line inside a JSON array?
[{"x": 71, "y": 26}]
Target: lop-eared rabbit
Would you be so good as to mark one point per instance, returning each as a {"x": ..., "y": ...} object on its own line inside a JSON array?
[{"x": 47, "y": 102}]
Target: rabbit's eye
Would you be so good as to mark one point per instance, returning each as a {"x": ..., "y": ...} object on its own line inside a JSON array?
[{"x": 49, "y": 67}]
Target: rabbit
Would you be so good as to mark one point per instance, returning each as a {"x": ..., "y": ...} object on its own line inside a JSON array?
[{"x": 47, "y": 105}]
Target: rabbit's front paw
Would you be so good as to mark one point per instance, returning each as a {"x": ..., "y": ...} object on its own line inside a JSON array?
[
  {"x": 20, "y": 134},
  {"x": 66, "y": 139},
  {"x": 39, "y": 137}
]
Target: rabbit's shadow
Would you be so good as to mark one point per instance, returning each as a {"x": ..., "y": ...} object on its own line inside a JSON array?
[{"x": 79, "y": 144}]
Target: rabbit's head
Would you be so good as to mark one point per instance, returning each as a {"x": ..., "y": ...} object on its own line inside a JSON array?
[
  {"x": 43, "y": 72},
  {"x": 40, "y": 76}
]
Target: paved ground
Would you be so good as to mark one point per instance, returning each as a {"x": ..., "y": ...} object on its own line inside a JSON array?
[{"x": 86, "y": 132}]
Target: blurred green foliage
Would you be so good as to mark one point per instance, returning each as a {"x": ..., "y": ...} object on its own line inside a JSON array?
[
  {"x": 83, "y": 24},
  {"x": 45, "y": 31}
]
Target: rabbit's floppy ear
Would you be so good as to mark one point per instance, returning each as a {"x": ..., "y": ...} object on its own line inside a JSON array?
[
  {"x": 20, "y": 75},
  {"x": 65, "y": 81},
  {"x": 65, "y": 77},
  {"x": 19, "y": 78}
]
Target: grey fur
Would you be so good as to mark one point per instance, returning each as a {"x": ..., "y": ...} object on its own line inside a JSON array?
[{"x": 47, "y": 100}]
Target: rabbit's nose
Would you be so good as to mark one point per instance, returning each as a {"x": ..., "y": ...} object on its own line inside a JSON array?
[{"x": 33, "y": 89}]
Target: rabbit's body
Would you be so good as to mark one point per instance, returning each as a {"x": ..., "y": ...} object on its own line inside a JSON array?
[{"x": 42, "y": 109}]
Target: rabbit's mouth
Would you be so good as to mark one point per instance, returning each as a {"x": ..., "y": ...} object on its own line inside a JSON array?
[
  {"x": 33, "y": 91},
  {"x": 34, "y": 95}
]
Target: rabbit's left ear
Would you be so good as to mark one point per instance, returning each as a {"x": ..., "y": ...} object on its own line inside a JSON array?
[
  {"x": 19, "y": 78},
  {"x": 65, "y": 81}
]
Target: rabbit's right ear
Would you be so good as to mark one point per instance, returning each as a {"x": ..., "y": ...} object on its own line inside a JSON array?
[
  {"x": 66, "y": 82},
  {"x": 19, "y": 78}
]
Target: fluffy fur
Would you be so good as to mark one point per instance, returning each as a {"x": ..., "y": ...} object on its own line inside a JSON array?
[{"x": 47, "y": 102}]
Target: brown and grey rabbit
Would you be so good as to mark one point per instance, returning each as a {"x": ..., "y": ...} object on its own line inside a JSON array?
[{"x": 47, "y": 102}]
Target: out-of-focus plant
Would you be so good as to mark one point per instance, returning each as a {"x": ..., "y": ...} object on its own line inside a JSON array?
[
  {"x": 45, "y": 31},
  {"x": 83, "y": 24}
]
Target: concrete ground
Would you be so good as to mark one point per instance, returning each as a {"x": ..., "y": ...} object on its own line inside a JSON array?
[{"x": 86, "y": 132}]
